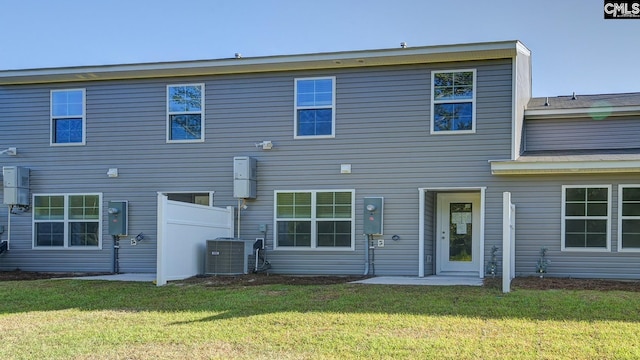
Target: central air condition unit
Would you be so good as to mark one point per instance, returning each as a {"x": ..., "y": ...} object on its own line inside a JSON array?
[{"x": 228, "y": 256}]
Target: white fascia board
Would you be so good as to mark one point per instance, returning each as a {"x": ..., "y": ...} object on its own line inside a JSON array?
[
  {"x": 507, "y": 167},
  {"x": 581, "y": 112},
  {"x": 347, "y": 59}
]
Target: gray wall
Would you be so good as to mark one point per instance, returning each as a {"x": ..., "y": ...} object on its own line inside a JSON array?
[
  {"x": 382, "y": 129},
  {"x": 582, "y": 134}
]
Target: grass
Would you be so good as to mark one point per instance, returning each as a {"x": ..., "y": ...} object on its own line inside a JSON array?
[{"x": 70, "y": 319}]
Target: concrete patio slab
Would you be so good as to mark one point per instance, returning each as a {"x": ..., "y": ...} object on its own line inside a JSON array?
[{"x": 434, "y": 280}]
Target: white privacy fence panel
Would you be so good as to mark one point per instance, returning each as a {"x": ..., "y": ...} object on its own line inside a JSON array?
[{"x": 183, "y": 231}]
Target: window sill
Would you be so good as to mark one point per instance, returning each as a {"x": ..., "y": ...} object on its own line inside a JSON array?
[{"x": 452, "y": 132}]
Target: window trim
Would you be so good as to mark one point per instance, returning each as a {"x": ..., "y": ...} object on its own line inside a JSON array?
[
  {"x": 564, "y": 217},
  {"x": 434, "y": 102},
  {"x": 314, "y": 230},
  {"x": 65, "y": 221},
  {"x": 201, "y": 112},
  {"x": 332, "y": 107},
  {"x": 52, "y": 118},
  {"x": 621, "y": 187}
]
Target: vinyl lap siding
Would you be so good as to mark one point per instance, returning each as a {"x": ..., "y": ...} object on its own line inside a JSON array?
[
  {"x": 582, "y": 134},
  {"x": 382, "y": 130},
  {"x": 538, "y": 201}
]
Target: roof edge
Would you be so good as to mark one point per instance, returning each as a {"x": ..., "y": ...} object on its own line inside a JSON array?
[
  {"x": 346, "y": 59},
  {"x": 600, "y": 112}
]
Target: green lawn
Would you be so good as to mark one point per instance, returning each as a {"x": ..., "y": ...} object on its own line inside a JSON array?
[{"x": 71, "y": 319}]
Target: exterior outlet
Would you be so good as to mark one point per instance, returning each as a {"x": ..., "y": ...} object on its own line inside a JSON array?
[{"x": 380, "y": 242}]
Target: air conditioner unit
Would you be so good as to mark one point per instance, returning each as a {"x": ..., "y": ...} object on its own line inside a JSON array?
[{"x": 228, "y": 256}]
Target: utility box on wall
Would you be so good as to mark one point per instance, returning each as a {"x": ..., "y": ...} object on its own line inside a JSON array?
[
  {"x": 15, "y": 181},
  {"x": 373, "y": 215},
  {"x": 244, "y": 177},
  {"x": 118, "y": 217}
]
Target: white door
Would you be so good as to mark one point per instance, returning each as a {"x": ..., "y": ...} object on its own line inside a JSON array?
[{"x": 458, "y": 233}]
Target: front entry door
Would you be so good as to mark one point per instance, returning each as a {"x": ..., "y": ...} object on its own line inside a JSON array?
[{"x": 458, "y": 233}]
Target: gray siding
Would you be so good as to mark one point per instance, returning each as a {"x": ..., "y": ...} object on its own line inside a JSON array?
[
  {"x": 582, "y": 134},
  {"x": 382, "y": 129},
  {"x": 538, "y": 201}
]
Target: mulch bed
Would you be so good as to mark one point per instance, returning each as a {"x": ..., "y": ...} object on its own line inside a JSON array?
[{"x": 535, "y": 283}]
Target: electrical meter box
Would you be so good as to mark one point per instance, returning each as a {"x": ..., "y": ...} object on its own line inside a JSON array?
[
  {"x": 373, "y": 215},
  {"x": 244, "y": 177},
  {"x": 117, "y": 211},
  {"x": 15, "y": 181}
]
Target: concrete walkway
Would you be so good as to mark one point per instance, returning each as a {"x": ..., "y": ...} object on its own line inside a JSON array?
[{"x": 433, "y": 280}]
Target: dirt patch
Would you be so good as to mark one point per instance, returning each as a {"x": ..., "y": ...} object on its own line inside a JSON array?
[
  {"x": 550, "y": 283},
  {"x": 265, "y": 279},
  {"x": 534, "y": 283},
  {"x": 17, "y": 275}
]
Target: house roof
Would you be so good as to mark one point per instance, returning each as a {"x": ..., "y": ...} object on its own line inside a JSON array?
[
  {"x": 583, "y": 106},
  {"x": 333, "y": 60}
]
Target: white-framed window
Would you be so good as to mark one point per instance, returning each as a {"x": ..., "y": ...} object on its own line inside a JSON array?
[
  {"x": 315, "y": 114},
  {"x": 68, "y": 120},
  {"x": 185, "y": 113},
  {"x": 453, "y": 101},
  {"x": 586, "y": 217},
  {"x": 629, "y": 218},
  {"x": 67, "y": 221},
  {"x": 316, "y": 219}
]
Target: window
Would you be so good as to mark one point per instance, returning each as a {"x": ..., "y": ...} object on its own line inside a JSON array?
[
  {"x": 629, "y": 218},
  {"x": 67, "y": 221},
  {"x": 314, "y": 219},
  {"x": 585, "y": 218},
  {"x": 315, "y": 107},
  {"x": 185, "y": 113},
  {"x": 453, "y": 102},
  {"x": 68, "y": 117}
]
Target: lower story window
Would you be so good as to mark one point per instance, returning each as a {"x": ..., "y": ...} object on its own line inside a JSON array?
[
  {"x": 314, "y": 219},
  {"x": 586, "y": 217},
  {"x": 629, "y": 218},
  {"x": 67, "y": 221}
]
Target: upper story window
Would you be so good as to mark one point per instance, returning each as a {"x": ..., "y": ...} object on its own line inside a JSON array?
[
  {"x": 453, "y": 102},
  {"x": 586, "y": 217},
  {"x": 315, "y": 107},
  {"x": 67, "y": 221},
  {"x": 68, "y": 117},
  {"x": 629, "y": 218},
  {"x": 185, "y": 113},
  {"x": 314, "y": 219}
]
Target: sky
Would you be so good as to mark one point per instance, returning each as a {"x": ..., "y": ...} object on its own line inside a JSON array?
[{"x": 574, "y": 49}]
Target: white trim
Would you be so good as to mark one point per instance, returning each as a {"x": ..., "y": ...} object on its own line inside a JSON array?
[
  {"x": 422, "y": 192},
  {"x": 201, "y": 113},
  {"x": 585, "y": 217},
  {"x": 451, "y": 101},
  {"x": 332, "y": 107},
  {"x": 84, "y": 118},
  {"x": 581, "y": 112},
  {"x": 66, "y": 221},
  {"x": 620, "y": 217},
  {"x": 514, "y": 102},
  {"x": 313, "y": 245},
  {"x": 509, "y": 167}
]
